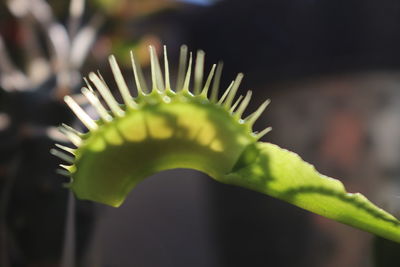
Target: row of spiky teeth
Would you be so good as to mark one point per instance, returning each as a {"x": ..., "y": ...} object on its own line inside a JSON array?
[{"x": 160, "y": 84}]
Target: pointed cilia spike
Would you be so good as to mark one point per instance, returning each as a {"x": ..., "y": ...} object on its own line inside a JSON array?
[
  {"x": 123, "y": 88},
  {"x": 217, "y": 79},
  {"x": 80, "y": 113},
  {"x": 153, "y": 69},
  {"x": 95, "y": 102},
  {"x": 223, "y": 97},
  {"x": 159, "y": 76},
  {"x": 263, "y": 132},
  {"x": 243, "y": 105},
  {"x": 204, "y": 92},
  {"x": 232, "y": 93},
  {"x": 188, "y": 74},
  {"x": 137, "y": 74},
  {"x": 66, "y": 149},
  {"x": 102, "y": 79},
  {"x": 63, "y": 172},
  {"x": 182, "y": 67},
  {"x": 106, "y": 94},
  {"x": 251, "y": 119},
  {"x": 88, "y": 85},
  {"x": 156, "y": 75},
  {"x": 62, "y": 155},
  {"x": 198, "y": 72},
  {"x": 65, "y": 167},
  {"x": 71, "y": 135},
  {"x": 76, "y": 140},
  {"x": 166, "y": 70},
  {"x": 236, "y": 104},
  {"x": 72, "y": 130}
]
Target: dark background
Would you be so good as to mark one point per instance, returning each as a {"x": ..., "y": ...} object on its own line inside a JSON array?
[{"x": 331, "y": 69}]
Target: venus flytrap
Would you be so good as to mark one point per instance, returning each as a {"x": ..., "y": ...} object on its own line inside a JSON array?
[{"x": 165, "y": 129}]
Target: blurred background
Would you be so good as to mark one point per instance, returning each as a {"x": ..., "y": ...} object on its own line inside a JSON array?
[{"x": 331, "y": 69}]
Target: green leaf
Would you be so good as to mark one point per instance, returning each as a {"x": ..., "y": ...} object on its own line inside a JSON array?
[
  {"x": 168, "y": 129},
  {"x": 283, "y": 174}
]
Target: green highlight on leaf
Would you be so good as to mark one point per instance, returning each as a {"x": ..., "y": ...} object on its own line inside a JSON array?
[
  {"x": 166, "y": 129},
  {"x": 277, "y": 172}
]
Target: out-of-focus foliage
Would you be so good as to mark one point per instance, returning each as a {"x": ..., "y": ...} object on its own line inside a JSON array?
[
  {"x": 44, "y": 46},
  {"x": 137, "y": 8}
]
